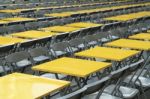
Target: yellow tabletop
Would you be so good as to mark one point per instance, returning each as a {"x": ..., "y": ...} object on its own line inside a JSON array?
[
  {"x": 61, "y": 29},
  {"x": 83, "y": 24},
  {"x": 113, "y": 54},
  {"x": 24, "y": 86},
  {"x": 128, "y": 43},
  {"x": 3, "y": 22},
  {"x": 33, "y": 34},
  {"x": 148, "y": 31},
  {"x": 16, "y": 19},
  {"x": 141, "y": 36},
  {"x": 64, "y": 14},
  {"x": 127, "y": 17},
  {"x": 9, "y": 40},
  {"x": 10, "y": 11},
  {"x": 72, "y": 67}
]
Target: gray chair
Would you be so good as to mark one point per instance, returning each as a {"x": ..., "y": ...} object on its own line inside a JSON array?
[
  {"x": 118, "y": 89},
  {"x": 91, "y": 40},
  {"x": 102, "y": 37},
  {"x": 95, "y": 90},
  {"x": 61, "y": 49},
  {"x": 16, "y": 28},
  {"x": 19, "y": 60},
  {"x": 31, "y": 25},
  {"x": 40, "y": 55},
  {"x": 77, "y": 44}
]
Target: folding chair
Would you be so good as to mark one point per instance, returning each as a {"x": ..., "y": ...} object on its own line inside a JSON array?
[
  {"x": 137, "y": 78},
  {"x": 19, "y": 60},
  {"x": 95, "y": 90},
  {"x": 16, "y": 28},
  {"x": 31, "y": 25},
  {"x": 40, "y": 55},
  {"x": 60, "y": 49},
  {"x": 91, "y": 41},
  {"x": 118, "y": 88},
  {"x": 102, "y": 37},
  {"x": 77, "y": 44}
]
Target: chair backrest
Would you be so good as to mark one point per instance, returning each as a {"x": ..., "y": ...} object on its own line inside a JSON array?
[
  {"x": 43, "y": 24},
  {"x": 16, "y": 28},
  {"x": 75, "y": 95},
  {"x": 31, "y": 25},
  {"x": 61, "y": 46},
  {"x": 90, "y": 38},
  {"x": 17, "y": 56},
  {"x": 39, "y": 51},
  {"x": 76, "y": 42}
]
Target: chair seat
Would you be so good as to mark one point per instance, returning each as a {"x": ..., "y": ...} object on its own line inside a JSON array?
[
  {"x": 81, "y": 46},
  {"x": 74, "y": 49},
  {"x": 92, "y": 43},
  {"x": 114, "y": 37},
  {"x": 144, "y": 81},
  {"x": 40, "y": 58},
  {"x": 103, "y": 96},
  {"x": 136, "y": 30},
  {"x": 108, "y": 96},
  {"x": 23, "y": 63},
  {"x": 59, "y": 53},
  {"x": 126, "y": 91},
  {"x": 49, "y": 75},
  {"x": 104, "y": 40}
]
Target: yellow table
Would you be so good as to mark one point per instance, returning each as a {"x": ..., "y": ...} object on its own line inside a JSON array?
[
  {"x": 64, "y": 14},
  {"x": 18, "y": 19},
  {"x": 33, "y": 34},
  {"x": 24, "y": 86},
  {"x": 127, "y": 17},
  {"x": 113, "y": 54},
  {"x": 61, "y": 29},
  {"x": 10, "y": 11},
  {"x": 128, "y": 43},
  {"x": 148, "y": 31},
  {"x": 71, "y": 66},
  {"x": 141, "y": 36},
  {"x": 83, "y": 24},
  {"x": 9, "y": 40}
]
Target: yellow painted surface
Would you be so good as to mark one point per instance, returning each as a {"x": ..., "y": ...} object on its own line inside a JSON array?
[
  {"x": 83, "y": 24},
  {"x": 23, "y": 86},
  {"x": 141, "y": 36},
  {"x": 108, "y": 53},
  {"x": 10, "y": 40},
  {"x": 60, "y": 29},
  {"x": 33, "y": 34},
  {"x": 128, "y": 43},
  {"x": 71, "y": 66}
]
